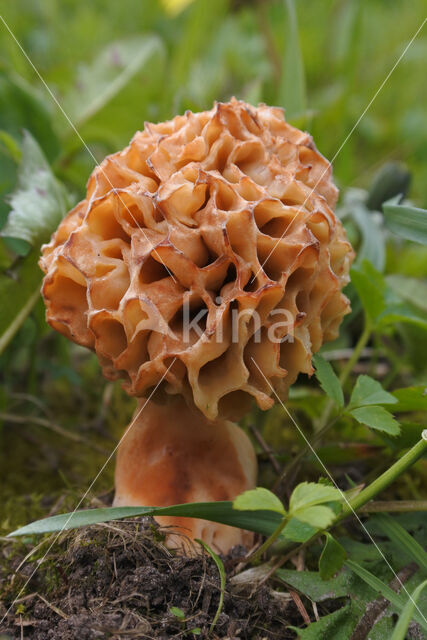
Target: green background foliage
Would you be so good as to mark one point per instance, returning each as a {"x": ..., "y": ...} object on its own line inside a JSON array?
[{"x": 110, "y": 66}]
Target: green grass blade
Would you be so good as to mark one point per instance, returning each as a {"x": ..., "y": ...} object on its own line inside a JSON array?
[
  {"x": 292, "y": 94},
  {"x": 264, "y": 522},
  {"x": 407, "y": 614},
  {"x": 381, "y": 587},
  {"x": 220, "y": 565},
  {"x": 397, "y": 534}
]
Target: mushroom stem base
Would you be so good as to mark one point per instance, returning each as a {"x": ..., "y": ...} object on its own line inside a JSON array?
[{"x": 171, "y": 454}]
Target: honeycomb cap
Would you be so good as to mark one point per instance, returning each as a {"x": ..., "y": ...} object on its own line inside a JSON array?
[{"x": 225, "y": 215}]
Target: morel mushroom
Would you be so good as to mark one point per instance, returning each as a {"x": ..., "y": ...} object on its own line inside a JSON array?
[{"x": 204, "y": 267}]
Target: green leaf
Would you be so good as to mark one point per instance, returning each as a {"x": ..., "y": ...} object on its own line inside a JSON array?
[
  {"x": 40, "y": 201},
  {"x": 414, "y": 290},
  {"x": 372, "y": 247},
  {"x": 258, "y": 499},
  {"x": 19, "y": 292},
  {"x": 264, "y": 522},
  {"x": 368, "y": 391},
  {"x": 292, "y": 93},
  {"x": 334, "y": 626},
  {"x": 332, "y": 558},
  {"x": 401, "y": 313},
  {"x": 328, "y": 380},
  {"x": 381, "y": 587},
  {"x": 411, "y": 399},
  {"x": 222, "y": 577},
  {"x": 370, "y": 286},
  {"x": 298, "y": 531},
  {"x": 108, "y": 74},
  {"x": 403, "y": 540},
  {"x": 377, "y": 418},
  {"x": 21, "y": 107},
  {"x": 313, "y": 586},
  {"x": 408, "y": 222},
  {"x": 308, "y": 494},
  {"x": 177, "y": 612},
  {"x": 319, "y": 516},
  {"x": 407, "y": 614}
]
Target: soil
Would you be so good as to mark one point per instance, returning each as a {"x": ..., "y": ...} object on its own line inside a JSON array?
[{"x": 118, "y": 581}]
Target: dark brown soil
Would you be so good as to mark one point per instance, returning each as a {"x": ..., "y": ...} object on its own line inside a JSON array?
[{"x": 119, "y": 581}]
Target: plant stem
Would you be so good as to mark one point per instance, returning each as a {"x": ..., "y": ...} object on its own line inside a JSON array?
[
  {"x": 267, "y": 543},
  {"x": 394, "y": 506},
  {"x": 378, "y": 485},
  {"x": 387, "y": 477}
]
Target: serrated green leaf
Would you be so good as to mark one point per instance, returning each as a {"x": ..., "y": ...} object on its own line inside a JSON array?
[
  {"x": 258, "y": 499},
  {"x": 377, "y": 418},
  {"x": 371, "y": 288},
  {"x": 328, "y": 380},
  {"x": 308, "y": 494},
  {"x": 311, "y": 584},
  {"x": 407, "y": 614},
  {"x": 368, "y": 391},
  {"x": 406, "y": 221},
  {"x": 332, "y": 558},
  {"x": 40, "y": 201},
  {"x": 319, "y": 516},
  {"x": 264, "y": 522},
  {"x": 108, "y": 74},
  {"x": 334, "y": 626}
]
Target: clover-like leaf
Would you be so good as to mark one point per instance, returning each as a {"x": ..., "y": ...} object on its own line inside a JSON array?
[
  {"x": 319, "y": 516},
  {"x": 328, "y": 380},
  {"x": 377, "y": 418},
  {"x": 368, "y": 391},
  {"x": 308, "y": 494},
  {"x": 259, "y": 499}
]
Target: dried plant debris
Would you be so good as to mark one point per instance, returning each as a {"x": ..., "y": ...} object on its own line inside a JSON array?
[{"x": 119, "y": 581}]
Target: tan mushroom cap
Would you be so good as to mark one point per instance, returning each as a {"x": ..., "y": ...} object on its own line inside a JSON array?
[{"x": 229, "y": 211}]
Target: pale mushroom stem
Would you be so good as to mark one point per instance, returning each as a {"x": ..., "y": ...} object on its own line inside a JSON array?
[{"x": 171, "y": 454}]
